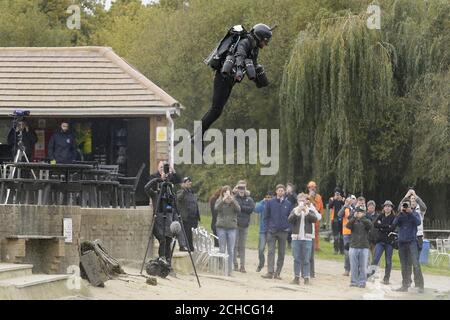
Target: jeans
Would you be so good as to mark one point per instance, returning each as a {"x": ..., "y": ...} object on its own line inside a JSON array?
[
  {"x": 358, "y": 265},
  {"x": 227, "y": 239},
  {"x": 312, "y": 269},
  {"x": 241, "y": 239},
  {"x": 272, "y": 239},
  {"x": 261, "y": 248},
  {"x": 301, "y": 250},
  {"x": 381, "y": 247},
  {"x": 409, "y": 259},
  {"x": 347, "y": 238}
]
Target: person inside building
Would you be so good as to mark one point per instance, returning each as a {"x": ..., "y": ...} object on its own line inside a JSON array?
[{"x": 61, "y": 147}]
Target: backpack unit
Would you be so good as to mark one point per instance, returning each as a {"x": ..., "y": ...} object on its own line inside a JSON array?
[{"x": 226, "y": 47}]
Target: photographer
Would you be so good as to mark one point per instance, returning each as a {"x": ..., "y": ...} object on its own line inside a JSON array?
[
  {"x": 227, "y": 211},
  {"x": 335, "y": 204},
  {"x": 384, "y": 224},
  {"x": 407, "y": 222},
  {"x": 188, "y": 208},
  {"x": 260, "y": 209},
  {"x": 303, "y": 218},
  {"x": 161, "y": 229},
  {"x": 419, "y": 206},
  {"x": 359, "y": 247},
  {"x": 29, "y": 139}
]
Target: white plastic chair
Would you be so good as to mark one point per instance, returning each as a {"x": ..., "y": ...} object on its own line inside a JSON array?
[{"x": 442, "y": 247}]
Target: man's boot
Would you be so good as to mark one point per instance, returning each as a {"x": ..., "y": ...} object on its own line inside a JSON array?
[
  {"x": 306, "y": 281},
  {"x": 296, "y": 280},
  {"x": 346, "y": 273},
  {"x": 267, "y": 275},
  {"x": 402, "y": 289},
  {"x": 236, "y": 267},
  {"x": 242, "y": 269}
]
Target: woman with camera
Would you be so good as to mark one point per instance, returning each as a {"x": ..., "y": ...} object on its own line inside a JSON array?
[
  {"x": 227, "y": 211},
  {"x": 303, "y": 219},
  {"x": 384, "y": 224}
]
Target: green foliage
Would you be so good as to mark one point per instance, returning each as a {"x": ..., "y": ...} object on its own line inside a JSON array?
[
  {"x": 357, "y": 103},
  {"x": 362, "y": 108}
]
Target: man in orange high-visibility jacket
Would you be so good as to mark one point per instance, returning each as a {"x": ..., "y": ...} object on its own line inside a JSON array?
[
  {"x": 346, "y": 212},
  {"x": 316, "y": 200}
]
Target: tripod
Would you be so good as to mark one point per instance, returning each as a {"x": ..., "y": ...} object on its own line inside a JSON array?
[
  {"x": 20, "y": 153},
  {"x": 167, "y": 198}
]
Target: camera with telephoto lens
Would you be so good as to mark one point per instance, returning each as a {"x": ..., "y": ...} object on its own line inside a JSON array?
[
  {"x": 405, "y": 205},
  {"x": 166, "y": 168}
]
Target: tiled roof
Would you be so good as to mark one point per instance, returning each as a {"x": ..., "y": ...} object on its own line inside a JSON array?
[{"x": 76, "y": 81}]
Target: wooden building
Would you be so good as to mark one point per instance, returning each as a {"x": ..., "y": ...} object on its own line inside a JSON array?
[{"x": 117, "y": 114}]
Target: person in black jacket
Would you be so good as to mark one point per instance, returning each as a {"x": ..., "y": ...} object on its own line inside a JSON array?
[
  {"x": 188, "y": 207},
  {"x": 335, "y": 204},
  {"x": 242, "y": 196},
  {"x": 384, "y": 224},
  {"x": 61, "y": 147},
  {"x": 359, "y": 247},
  {"x": 212, "y": 205},
  {"x": 29, "y": 139},
  {"x": 247, "y": 48},
  {"x": 161, "y": 228}
]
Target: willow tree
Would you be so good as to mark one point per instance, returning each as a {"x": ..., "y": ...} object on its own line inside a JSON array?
[{"x": 336, "y": 85}]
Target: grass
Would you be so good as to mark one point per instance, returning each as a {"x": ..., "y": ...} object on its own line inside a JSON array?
[{"x": 327, "y": 253}]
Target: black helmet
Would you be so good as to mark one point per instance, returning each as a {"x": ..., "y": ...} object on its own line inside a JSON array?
[{"x": 262, "y": 32}]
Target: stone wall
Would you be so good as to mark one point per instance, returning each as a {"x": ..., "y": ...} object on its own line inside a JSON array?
[{"x": 124, "y": 232}]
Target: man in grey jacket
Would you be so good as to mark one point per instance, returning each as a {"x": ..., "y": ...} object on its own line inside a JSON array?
[{"x": 242, "y": 196}]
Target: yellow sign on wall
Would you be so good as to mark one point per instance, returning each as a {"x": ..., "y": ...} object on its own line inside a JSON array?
[{"x": 161, "y": 134}]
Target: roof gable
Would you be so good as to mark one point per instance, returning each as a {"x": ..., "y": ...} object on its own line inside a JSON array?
[{"x": 86, "y": 81}]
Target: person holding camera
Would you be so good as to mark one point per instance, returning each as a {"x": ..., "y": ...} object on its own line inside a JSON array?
[
  {"x": 407, "y": 222},
  {"x": 335, "y": 204},
  {"x": 359, "y": 247},
  {"x": 242, "y": 196},
  {"x": 161, "y": 229},
  {"x": 346, "y": 213},
  {"x": 227, "y": 214},
  {"x": 303, "y": 218},
  {"x": 276, "y": 220},
  {"x": 384, "y": 223},
  {"x": 419, "y": 206},
  {"x": 188, "y": 208},
  {"x": 28, "y": 136}
]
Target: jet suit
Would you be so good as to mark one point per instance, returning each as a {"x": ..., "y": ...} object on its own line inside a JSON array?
[{"x": 247, "y": 48}]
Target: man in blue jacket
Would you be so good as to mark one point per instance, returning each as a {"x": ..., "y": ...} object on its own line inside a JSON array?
[
  {"x": 260, "y": 209},
  {"x": 408, "y": 251},
  {"x": 276, "y": 220},
  {"x": 61, "y": 146}
]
